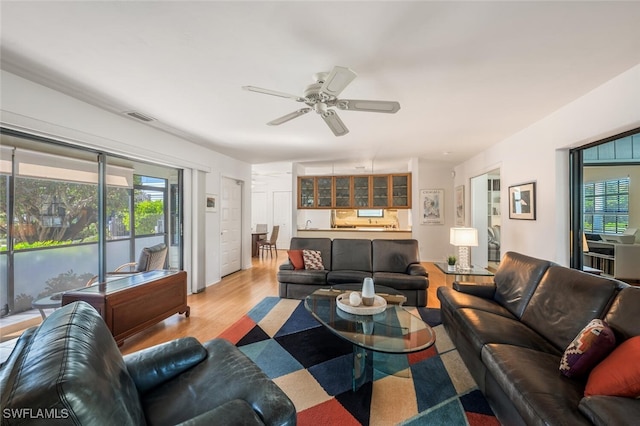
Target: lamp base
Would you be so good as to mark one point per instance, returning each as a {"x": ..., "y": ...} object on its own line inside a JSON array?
[{"x": 463, "y": 255}]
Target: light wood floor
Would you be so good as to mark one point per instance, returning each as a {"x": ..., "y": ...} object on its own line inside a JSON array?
[{"x": 222, "y": 304}]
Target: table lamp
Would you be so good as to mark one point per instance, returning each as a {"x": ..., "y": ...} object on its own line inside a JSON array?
[{"x": 463, "y": 238}]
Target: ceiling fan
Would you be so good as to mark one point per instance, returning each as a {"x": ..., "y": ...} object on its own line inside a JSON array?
[{"x": 323, "y": 94}]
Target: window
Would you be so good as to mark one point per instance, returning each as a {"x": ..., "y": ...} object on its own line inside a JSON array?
[
  {"x": 49, "y": 200},
  {"x": 606, "y": 206}
]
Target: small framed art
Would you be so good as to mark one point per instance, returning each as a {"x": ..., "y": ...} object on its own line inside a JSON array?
[
  {"x": 212, "y": 203},
  {"x": 522, "y": 201}
]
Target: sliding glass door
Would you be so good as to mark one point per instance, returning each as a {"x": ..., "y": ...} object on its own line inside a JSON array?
[
  {"x": 605, "y": 189},
  {"x": 50, "y": 216}
]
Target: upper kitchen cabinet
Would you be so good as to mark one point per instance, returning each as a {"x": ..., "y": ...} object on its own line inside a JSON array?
[
  {"x": 342, "y": 185},
  {"x": 306, "y": 192},
  {"x": 401, "y": 191},
  {"x": 355, "y": 192}
]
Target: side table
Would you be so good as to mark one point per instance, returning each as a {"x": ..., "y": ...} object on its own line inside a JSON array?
[
  {"x": 50, "y": 302},
  {"x": 475, "y": 274}
]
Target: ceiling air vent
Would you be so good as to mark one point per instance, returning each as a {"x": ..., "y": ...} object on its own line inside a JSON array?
[{"x": 139, "y": 116}]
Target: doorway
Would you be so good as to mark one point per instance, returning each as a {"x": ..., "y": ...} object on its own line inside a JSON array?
[
  {"x": 230, "y": 226},
  {"x": 486, "y": 218},
  {"x": 282, "y": 217}
]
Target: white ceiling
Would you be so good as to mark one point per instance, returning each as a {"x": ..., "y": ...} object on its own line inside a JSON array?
[{"x": 467, "y": 74}]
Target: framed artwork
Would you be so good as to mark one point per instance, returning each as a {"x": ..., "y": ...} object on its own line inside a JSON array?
[
  {"x": 459, "y": 203},
  {"x": 432, "y": 206},
  {"x": 212, "y": 203},
  {"x": 522, "y": 201}
]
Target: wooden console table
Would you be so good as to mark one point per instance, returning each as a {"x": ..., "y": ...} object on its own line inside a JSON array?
[{"x": 136, "y": 301}]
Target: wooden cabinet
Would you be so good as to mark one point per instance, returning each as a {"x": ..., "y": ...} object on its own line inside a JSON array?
[
  {"x": 355, "y": 192},
  {"x": 306, "y": 192},
  {"x": 401, "y": 191},
  {"x": 342, "y": 185},
  {"x": 360, "y": 192},
  {"x": 380, "y": 191},
  {"x": 136, "y": 301},
  {"x": 324, "y": 187}
]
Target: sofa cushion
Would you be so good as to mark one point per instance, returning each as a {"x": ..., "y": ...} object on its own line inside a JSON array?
[
  {"x": 400, "y": 281},
  {"x": 347, "y": 277},
  {"x": 516, "y": 279},
  {"x": 304, "y": 276},
  {"x": 622, "y": 316},
  {"x": 296, "y": 258},
  {"x": 483, "y": 327},
  {"x": 394, "y": 255},
  {"x": 564, "y": 301},
  {"x": 312, "y": 260},
  {"x": 323, "y": 245},
  {"x": 351, "y": 255},
  {"x": 619, "y": 373},
  {"x": 530, "y": 379},
  {"x": 610, "y": 410},
  {"x": 451, "y": 299},
  {"x": 594, "y": 342}
]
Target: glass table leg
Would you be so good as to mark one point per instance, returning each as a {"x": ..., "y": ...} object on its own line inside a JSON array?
[{"x": 362, "y": 367}]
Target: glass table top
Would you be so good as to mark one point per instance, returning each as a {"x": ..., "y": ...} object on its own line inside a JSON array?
[
  {"x": 475, "y": 270},
  {"x": 393, "y": 331}
]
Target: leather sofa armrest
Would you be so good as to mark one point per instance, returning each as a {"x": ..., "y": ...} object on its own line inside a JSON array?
[
  {"x": 484, "y": 290},
  {"x": 155, "y": 365},
  {"x": 610, "y": 410},
  {"x": 417, "y": 269},
  {"x": 287, "y": 266}
]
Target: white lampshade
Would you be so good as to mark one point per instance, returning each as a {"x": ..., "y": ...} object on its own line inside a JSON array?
[{"x": 467, "y": 237}]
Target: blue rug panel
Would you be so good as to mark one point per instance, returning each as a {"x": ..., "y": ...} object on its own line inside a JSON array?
[
  {"x": 335, "y": 375},
  {"x": 262, "y": 309},
  {"x": 299, "y": 320},
  {"x": 265, "y": 353},
  {"x": 431, "y": 382}
]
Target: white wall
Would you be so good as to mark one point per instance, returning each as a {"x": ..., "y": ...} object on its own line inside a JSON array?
[
  {"x": 540, "y": 153},
  {"x": 433, "y": 240},
  {"x": 35, "y": 109}
]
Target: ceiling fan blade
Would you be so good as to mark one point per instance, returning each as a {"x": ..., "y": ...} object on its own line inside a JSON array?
[
  {"x": 273, "y": 92},
  {"x": 389, "y": 107},
  {"x": 337, "y": 80},
  {"x": 289, "y": 117},
  {"x": 335, "y": 124}
]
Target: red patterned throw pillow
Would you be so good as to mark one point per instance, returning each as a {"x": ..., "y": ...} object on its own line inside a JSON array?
[
  {"x": 590, "y": 346},
  {"x": 312, "y": 259}
]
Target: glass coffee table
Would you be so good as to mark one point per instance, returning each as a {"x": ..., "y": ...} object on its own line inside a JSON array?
[{"x": 394, "y": 331}]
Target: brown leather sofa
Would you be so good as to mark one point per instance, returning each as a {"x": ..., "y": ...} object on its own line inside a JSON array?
[
  {"x": 391, "y": 263},
  {"x": 69, "y": 370},
  {"x": 511, "y": 335}
]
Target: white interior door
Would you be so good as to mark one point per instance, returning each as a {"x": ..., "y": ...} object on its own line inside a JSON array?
[
  {"x": 230, "y": 226},
  {"x": 282, "y": 217}
]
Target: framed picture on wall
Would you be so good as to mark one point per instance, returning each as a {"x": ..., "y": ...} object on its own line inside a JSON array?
[
  {"x": 432, "y": 206},
  {"x": 522, "y": 201},
  {"x": 212, "y": 203},
  {"x": 459, "y": 205}
]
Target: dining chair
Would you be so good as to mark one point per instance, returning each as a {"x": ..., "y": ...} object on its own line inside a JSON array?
[{"x": 270, "y": 243}]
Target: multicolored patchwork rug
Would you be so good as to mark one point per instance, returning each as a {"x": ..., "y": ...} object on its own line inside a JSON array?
[{"x": 313, "y": 367}]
